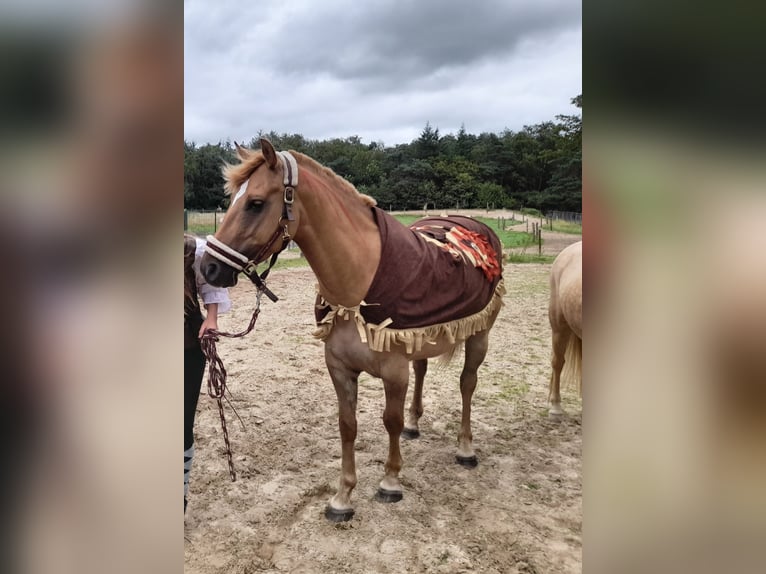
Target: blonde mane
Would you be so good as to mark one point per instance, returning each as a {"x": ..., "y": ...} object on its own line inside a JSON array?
[{"x": 235, "y": 175}]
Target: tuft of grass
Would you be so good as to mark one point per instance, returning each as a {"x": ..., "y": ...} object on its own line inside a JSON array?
[{"x": 529, "y": 258}]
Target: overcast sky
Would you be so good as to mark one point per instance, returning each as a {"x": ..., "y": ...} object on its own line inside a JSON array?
[{"x": 379, "y": 69}]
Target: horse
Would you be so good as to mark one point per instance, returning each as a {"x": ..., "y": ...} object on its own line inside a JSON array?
[
  {"x": 565, "y": 316},
  {"x": 378, "y": 281}
]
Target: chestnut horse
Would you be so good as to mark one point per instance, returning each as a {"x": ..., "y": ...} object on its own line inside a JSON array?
[
  {"x": 565, "y": 315},
  {"x": 282, "y": 196}
]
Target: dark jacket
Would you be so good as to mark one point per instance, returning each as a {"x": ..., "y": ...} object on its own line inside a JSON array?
[{"x": 192, "y": 312}]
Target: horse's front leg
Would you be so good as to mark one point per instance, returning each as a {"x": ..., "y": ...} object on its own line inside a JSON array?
[
  {"x": 339, "y": 508},
  {"x": 395, "y": 374}
]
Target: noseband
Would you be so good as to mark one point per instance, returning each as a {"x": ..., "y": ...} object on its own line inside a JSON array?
[{"x": 218, "y": 249}]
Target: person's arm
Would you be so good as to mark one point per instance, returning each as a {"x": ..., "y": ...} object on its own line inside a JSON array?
[
  {"x": 211, "y": 320},
  {"x": 215, "y": 299}
]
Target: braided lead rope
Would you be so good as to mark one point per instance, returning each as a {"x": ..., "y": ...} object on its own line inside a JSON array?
[{"x": 216, "y": 380}]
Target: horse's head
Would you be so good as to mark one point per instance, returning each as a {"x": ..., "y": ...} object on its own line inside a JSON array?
[{"x": 260, "y": 220}]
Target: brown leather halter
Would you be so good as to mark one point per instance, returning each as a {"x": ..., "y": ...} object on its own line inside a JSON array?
[{"x": 218, "y": 249}]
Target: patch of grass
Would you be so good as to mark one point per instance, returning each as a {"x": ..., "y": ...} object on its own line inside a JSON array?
[
  {"x": 508, "y": 238},
  {"x": 567, "y": 227},
  {"x": 531, "y": 211},
  {"x": 201, "y": 230},
  {"x": 523, "y": 289},
  {"x": 287, "y": 264},
  {"x": 512, "y": 392},
  {"x": 529, "y": 258},
  {"x": 284, "y": 264},
  {"x": 407, "y": 219}
]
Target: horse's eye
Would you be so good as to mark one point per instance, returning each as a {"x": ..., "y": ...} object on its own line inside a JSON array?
[{"x": 255, "y": 205}]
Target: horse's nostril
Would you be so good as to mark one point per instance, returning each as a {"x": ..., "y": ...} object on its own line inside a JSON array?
[{"x": 211, "y": 270}]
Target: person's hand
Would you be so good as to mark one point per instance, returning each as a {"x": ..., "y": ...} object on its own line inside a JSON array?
[{"x": 208, "y": 323}]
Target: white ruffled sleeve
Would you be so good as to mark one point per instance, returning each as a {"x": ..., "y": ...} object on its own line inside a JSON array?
[{"x": 207, "y": 292}]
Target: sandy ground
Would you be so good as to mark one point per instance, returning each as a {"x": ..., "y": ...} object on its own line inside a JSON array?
[{"x": 520, "y": 510}]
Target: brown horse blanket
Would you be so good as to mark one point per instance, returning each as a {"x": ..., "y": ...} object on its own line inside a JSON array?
[{"x": 440, "y": 276}]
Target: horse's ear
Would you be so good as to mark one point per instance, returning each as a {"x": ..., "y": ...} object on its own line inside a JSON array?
[
  {"x": 242, "y": 153},
  {"x": 268, "y": 152}
]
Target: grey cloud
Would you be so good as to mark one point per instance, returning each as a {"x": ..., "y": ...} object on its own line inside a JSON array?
[
  {"x": 379, "y": 69},
  {"x": 409, "y": 41}
]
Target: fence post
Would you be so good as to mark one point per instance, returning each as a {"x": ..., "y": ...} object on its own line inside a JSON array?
[
  {"x": 186, "y": 220},
  {"x": 215, "y": 221},
  {"x": 539, "y": 243}
]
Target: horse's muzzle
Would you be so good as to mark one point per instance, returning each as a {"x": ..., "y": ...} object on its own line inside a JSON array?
[{"x": 217, "y": 273}]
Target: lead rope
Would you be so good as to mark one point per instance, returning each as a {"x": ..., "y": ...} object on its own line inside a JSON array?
[{"x": 216, "y": 381}]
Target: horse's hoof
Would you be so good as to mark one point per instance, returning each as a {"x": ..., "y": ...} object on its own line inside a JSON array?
[
  {"x": 338, "y": 515},
  {"x": 467, "y": 461},
  {"x": 410, "y": 434},
  {"x": 384, "y": 495},
  {"x": 556, "y": 415}
]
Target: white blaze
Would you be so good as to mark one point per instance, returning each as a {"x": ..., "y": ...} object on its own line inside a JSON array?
[{"x": 240, "y": 193}]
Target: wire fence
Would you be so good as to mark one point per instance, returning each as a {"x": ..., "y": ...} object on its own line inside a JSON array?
[
  {"x": 202, "y": 222},
  {"x": 568, "y": 216}
]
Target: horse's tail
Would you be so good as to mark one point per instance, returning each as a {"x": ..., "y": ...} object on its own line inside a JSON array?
[
  {"x": 572, "y": 371},
  {"x": 447, "y": 357}
]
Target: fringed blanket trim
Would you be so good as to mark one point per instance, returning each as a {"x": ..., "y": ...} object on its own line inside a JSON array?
[{"x": 381, "y": 338}]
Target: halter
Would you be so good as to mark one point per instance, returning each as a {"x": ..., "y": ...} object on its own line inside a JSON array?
[{"x": 233, "y": 258}]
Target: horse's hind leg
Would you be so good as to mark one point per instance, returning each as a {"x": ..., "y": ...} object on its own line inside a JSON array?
[
  {"x": 345, "y": 381},
  {"x": 560, "y": 338},
  {"x": 475, "y": 351},
  {"x": 395, "y": 378},
  {"x": 411, "y": 429}
]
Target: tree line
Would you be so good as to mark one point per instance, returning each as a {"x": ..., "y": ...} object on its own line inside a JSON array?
[{"x": 538, "y": 167}]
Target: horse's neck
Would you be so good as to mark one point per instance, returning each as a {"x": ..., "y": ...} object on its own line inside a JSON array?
[{"x": 339, "y": 237}]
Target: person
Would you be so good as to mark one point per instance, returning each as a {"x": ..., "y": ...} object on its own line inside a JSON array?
[{"x": 216, "y": 300}]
